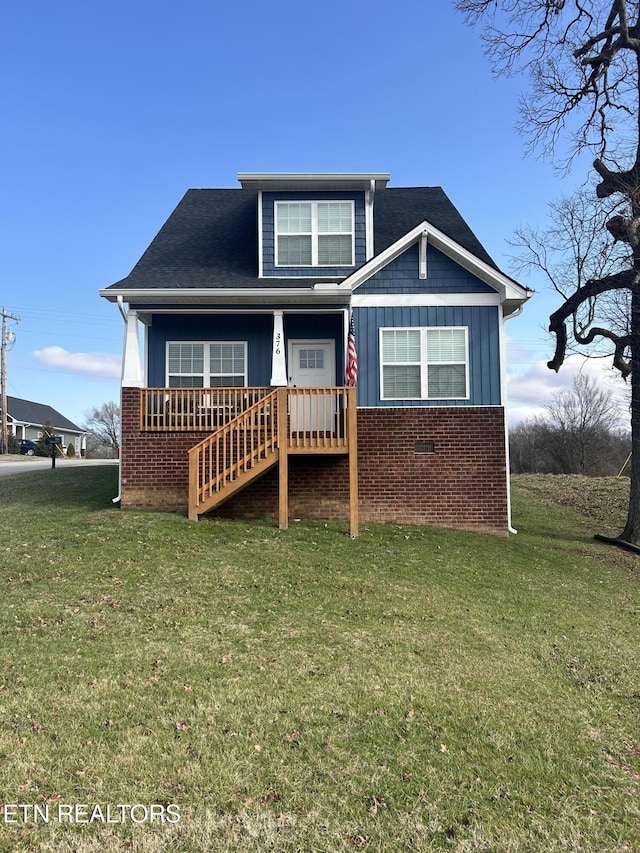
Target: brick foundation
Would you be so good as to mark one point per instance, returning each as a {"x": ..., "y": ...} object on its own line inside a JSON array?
[{"x": 443, "y": 467}]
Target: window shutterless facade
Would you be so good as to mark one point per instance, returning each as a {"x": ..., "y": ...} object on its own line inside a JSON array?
[
  {"x": 206, "y": 364},
  {"x": 424, "y": 363},
  {"x": 314, "y": 233}
]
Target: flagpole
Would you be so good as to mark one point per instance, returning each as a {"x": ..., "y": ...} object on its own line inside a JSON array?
[{"x": 351, "y": 368}]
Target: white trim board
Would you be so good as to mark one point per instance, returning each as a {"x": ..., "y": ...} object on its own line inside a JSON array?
[
  {"x": 302, "y": 181},
  {"x": 434, "y": 404},
  {"x": 260, "y": 239},
  {"x": 400, "y": 300},
  {"x": 208, "y": 295}
]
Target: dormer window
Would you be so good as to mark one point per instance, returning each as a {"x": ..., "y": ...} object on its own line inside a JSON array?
[{"x": 314, "y": 233}]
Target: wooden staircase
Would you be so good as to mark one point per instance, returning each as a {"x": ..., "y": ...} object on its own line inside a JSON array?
[
  {"x": 270, "y": 427},
  {"x": 238, "y": 452}
]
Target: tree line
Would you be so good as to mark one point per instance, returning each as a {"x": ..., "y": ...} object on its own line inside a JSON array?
[{"x": 579, "y": 432}]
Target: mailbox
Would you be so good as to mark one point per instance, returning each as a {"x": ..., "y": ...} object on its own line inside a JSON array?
[{"x": 53, "y": 441}]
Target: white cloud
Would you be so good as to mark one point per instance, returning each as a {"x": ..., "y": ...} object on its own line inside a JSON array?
[
  {"x": 517, "y": 414},
  {"x": 100, "y": 365},
  {"x": 530, "y": 390}
]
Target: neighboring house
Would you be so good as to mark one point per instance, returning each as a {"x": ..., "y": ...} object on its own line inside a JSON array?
[
  {"x": 246, "y": 297},
  {"x": 26, "y": 419}
]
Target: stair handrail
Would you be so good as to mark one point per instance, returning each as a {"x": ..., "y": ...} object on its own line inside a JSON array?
[{"x": 240, "y": 434}]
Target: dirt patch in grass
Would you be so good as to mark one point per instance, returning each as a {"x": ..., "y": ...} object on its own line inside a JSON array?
[{"x": 603, "y": 499}]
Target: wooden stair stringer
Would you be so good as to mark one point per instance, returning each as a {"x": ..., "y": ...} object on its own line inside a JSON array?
[{"x": 242, "y": 481}]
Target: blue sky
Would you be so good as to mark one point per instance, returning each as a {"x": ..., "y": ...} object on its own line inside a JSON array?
[{"x": 111, "y": 111}]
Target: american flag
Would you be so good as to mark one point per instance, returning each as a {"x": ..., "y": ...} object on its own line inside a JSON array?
[{"x": 351, "y": 370}]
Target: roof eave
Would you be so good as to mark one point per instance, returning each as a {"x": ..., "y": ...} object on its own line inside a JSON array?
[
  {"x": 312, "y": 295},
  {"x": 292, "y": 181}
]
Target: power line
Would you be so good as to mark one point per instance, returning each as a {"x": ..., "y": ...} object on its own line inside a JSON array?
[{"x": 46, "y": 314}]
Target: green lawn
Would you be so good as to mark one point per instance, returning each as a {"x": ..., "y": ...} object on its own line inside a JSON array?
[{"x": 413, "y": 689}]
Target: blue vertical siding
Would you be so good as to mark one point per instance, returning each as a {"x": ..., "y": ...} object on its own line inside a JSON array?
[
  {"x": 256, "y": 329},
  {"x": 483, "y": 323},
  {"x": 268, "y": 231},
  {"x": 443, "y": 276}
]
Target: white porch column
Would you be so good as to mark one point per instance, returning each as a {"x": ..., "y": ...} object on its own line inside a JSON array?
[
  {"x": 278, "y": 360},
  {"x": 131, "y": 367}
]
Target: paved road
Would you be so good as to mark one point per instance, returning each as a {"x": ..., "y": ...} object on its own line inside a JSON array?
[{"x": 11, "y": 464}]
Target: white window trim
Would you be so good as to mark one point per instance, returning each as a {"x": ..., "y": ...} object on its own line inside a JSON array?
[
  {"x": 206, "y": 375},
  {"x": 314, "y": 231},
  {"x": 424, "y": 363}
]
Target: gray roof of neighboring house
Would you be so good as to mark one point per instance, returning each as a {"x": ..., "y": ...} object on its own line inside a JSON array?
[
  {"x": 211, "y": 238},
  {"x": 37, "y": 414}
]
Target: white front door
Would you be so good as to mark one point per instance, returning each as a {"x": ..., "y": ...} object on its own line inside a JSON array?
[{"x": 312, "y": 364}]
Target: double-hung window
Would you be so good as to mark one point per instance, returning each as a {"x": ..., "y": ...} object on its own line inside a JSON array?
[
  {"x": 209, "y": 364},
  {"x": 314, "y": 233},
  {"x": 424, "y": 363}
]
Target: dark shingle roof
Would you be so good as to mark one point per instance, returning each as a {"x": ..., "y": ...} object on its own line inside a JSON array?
[
  {"x": 211, "y": 239},
  {"x": 398, "y": 210},
  {"x": 37, "y": 413}
]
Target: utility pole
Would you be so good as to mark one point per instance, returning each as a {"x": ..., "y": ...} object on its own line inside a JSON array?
[{"x": 3, "y": 378}]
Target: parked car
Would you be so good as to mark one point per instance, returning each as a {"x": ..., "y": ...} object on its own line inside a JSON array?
[{"x": 28, "y": 447}]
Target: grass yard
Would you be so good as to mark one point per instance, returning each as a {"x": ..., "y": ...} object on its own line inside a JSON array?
[{"x": 411, "y": 690}]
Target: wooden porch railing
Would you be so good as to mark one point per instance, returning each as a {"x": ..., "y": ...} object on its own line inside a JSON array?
[
  {"x": 276, "y": 424},
  {"x": 194, "y": 409}
]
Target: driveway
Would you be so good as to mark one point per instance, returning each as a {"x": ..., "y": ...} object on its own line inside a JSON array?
[{"x": 13, "y": 464}]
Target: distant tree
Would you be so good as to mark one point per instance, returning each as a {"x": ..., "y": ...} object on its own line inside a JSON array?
[
  {"x": 528, "y": 443},
  {"x": 42, "y": 448},
  {"x": 103, "y": 426},
  {"x": 13, "y": 445},
  {"x": 578, "y": 433},
  {"x": 71, "y": 450},
  {"x": 582, "y": 420}
]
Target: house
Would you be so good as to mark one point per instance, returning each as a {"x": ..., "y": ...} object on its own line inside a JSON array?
[
  {"x": 26, "y": 419},
  {"x": 246, "y": 297}
]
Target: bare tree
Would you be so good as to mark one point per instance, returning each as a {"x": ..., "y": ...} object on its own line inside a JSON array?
[
  {"x": 578, "y": 433},
  {"x": 583, "y": 60},
  {"x": 103, "y": 426},
  {"x": 581, "y": 419},
  {"x": 528, "y": 448}
]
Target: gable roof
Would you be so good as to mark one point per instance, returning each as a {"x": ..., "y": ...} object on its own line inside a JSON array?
[
  {"x": 210, "y": 241},
  {"x": 512, "y": 294},
  {"x": 28, "y": 412}
]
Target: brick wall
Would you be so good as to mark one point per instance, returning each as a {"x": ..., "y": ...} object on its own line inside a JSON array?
[{"x": 436, "y": 466}]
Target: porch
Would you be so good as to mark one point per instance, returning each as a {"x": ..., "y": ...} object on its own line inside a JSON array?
[{"x": 248, "y": 431}]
